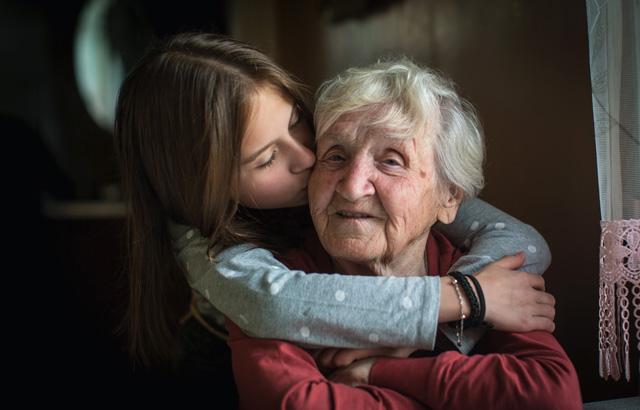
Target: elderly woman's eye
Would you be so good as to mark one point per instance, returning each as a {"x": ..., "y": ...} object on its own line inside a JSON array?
[
  {"x": 333, "y": 154},
  {"x": 334, "y": 158},
  {"x": 393, "y": 162}
]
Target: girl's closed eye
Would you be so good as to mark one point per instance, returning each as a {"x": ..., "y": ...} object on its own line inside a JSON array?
[{"x": 269, "y": 162}]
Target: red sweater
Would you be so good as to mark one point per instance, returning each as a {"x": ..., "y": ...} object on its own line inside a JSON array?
[{"x": 505, "y": 371}]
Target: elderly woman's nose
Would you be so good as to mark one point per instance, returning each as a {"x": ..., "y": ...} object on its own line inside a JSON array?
[
  {"x": 303, "y": 158},
  {"x": 356, "y": 181}
]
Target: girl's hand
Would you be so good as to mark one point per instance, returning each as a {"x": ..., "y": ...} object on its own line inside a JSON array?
[
  {"x": 357, "y": 373},
  {"x": 516, "y": 301},
  {"x": 331, "y": 358}
]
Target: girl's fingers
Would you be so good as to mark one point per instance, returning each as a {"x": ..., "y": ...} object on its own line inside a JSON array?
[
  {"x": 546, "y": 311},
  {"x": 536, "y": 281},
  {"x": 542, "y": 323},
  {"x": 325, "y": 358},
  {"x": 545, "y": 299}
]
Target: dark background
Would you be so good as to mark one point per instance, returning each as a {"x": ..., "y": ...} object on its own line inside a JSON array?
[{"x": 523, "y": 64}]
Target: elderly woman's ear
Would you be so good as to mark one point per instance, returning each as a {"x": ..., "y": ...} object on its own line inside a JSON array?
[{"x": 451, "y": 201}]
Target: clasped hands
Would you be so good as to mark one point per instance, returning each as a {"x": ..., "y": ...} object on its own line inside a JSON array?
[{"x": 353, "y": 366}]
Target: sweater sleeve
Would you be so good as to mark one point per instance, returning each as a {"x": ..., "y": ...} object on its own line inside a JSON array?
[
  {"x": 266, "y": 299},
  {"x": 489, "y": 234},
  {"x": 273, "y": 374},
  {"x": 511, "y": 370},
  {"x": 255, "y": 290}
]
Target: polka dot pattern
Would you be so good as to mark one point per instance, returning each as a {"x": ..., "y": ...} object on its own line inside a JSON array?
[
  {"x": 304, "y": 331},
  {"x": 190, "y": 234},
  {"x": 407, "y": 303},
  {"x": 500, "y": 225},
  {"x": 532, "y": 249},
  {"x": 475, "y": 225},
  {"x": 340, "y": 295},
  {"x": 374, "y": 338},
  {"x": 274, "y": 288}
]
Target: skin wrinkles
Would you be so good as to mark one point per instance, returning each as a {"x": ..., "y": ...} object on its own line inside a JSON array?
[{"x": 391, "y": 181}]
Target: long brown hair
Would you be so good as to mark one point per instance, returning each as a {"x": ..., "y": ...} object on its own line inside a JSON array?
[{"x": 180, "y": 118}]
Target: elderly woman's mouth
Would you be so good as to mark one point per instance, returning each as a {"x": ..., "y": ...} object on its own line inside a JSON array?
[{"x": 355, "y": 215}]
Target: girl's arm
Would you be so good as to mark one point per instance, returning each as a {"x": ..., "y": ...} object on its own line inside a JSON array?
[
  {"x": 488, "y": 234},
  {"x": 268, "y": 300}
]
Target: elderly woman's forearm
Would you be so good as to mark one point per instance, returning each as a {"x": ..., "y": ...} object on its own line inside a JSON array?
[
  {"x": 529, "y": 369},
  {"x": 273, "y": 374}
]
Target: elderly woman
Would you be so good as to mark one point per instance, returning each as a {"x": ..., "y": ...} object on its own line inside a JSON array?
[{"x": 397, "y": 151}]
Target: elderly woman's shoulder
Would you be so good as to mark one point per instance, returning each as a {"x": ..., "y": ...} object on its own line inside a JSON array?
[{"x": 440, "y": 248}]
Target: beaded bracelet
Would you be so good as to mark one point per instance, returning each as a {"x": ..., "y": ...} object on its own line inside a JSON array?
[
  {"x": 474, "y": 315},
  {"x": 460, "y": 327},
  {"x": 483, "y": 307}
]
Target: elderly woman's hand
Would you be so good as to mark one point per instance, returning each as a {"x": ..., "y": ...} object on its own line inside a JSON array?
[
  {"x": 331, "y": 357},
  {"x": 516, "y": 301},
  {"x": 357, "y": 373}
]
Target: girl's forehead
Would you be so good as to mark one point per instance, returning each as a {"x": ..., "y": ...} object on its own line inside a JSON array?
[{"x": 268, "y": 116}]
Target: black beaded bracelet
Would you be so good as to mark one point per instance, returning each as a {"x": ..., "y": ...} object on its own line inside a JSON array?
[
  {"x": 483, "y": 306},
  {"x": 474, "y": 317}
]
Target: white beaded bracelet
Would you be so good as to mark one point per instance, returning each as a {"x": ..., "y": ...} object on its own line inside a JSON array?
[{"x": 460, "y": 327}]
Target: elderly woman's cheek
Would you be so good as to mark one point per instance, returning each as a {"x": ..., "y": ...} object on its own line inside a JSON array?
[
  {"x": 412, "y": 210},
  {"x": 320, "y": 191},
  {"x": 315, "y": 191}
]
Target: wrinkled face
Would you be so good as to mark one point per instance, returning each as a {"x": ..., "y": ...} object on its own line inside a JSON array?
[
  {"x": 276, "y": 156},
  {"x": 372, "y": 197}
]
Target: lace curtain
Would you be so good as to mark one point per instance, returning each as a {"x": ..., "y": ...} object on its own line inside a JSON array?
[{"x": 614, "y": 49}]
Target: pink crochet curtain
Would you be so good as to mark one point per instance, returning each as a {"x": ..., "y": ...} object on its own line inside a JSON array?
[{"x": 614, "y": 48}]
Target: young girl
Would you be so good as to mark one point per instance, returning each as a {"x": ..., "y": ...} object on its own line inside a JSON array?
[{"x": 215, "y": 143}]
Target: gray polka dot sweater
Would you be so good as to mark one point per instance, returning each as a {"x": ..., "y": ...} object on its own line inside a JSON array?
[{"x": 267, "y": 300}]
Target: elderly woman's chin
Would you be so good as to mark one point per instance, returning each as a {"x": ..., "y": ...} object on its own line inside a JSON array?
[
  {"x": 349, "y": 237},
  {"x": 353, "y": 248}
]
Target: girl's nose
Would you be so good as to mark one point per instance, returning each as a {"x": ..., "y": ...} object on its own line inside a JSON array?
[{"x": 303, "y": 159}]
